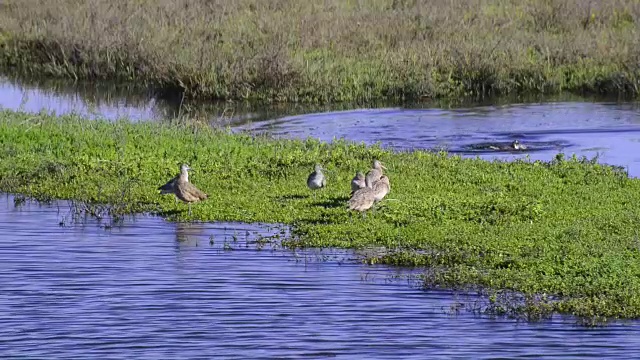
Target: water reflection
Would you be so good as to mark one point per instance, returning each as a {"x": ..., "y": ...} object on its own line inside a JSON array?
[
  {"x": 115, "y": 101},
  {"x": 91, "y": 100},
  {"x": 186, "y": 231},
  {"x": 112, "y": 101}
]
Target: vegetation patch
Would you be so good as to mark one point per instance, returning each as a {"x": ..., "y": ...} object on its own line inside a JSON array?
[
  {"x": 563, "y": 234},
  {"x": 330, "y": 51}
]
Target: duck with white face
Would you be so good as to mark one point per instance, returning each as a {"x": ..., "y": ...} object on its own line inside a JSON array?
[
  {"x": 169, "y": 187},
  {"x": 184, "y": 190},
  {"x": 515, "y": 145}
]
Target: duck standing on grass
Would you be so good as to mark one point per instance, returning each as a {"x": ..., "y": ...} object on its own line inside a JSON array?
[
  {"x": 381, "y": 188},
  {"x": 375, "y": 173},
  {"x": 364, "y": 198},
  {"x": 316, "y": 179},
  {"x": 186, "y": 191}
]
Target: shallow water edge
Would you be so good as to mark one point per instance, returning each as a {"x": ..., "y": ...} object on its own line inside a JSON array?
[{"x": 469, "y": 207}]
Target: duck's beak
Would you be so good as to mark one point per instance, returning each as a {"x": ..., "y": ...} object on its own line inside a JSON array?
[{"x": 382, "y": 166}]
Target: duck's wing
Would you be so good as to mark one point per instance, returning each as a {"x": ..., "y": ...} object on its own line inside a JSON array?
[
  {"x": 168, "y": 188},
  {"x": 361, "y": 199},
  {"x": 197, "y": 192}
]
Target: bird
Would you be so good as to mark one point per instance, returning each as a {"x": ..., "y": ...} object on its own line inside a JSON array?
[
  {"x": 316, "y": 179},
  {"x": 375, "y": 173},
  {"x": 357, "y": 182},
  {"x": 381, "y": 188},
  {"x": 517, "y": 146},
  {"x": 186, "y": 191},
  {"x": 362, "y": 199}
]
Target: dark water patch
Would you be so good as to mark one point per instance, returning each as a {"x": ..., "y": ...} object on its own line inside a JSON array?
[
  {"x": 112, "y": 100},
  {"x": 153, "y": 289},
  {"x": 506, "y": 147}
]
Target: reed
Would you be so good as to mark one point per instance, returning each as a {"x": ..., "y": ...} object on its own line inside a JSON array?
[{"x": 330, "y": 51}]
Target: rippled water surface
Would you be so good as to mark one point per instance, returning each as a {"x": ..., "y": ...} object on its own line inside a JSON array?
[
  {"x": 610, "y": 131},
  {"x": 153, "y": 289}
]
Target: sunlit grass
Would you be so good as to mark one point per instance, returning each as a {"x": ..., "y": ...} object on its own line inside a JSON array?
[{"x": 565, "y": 232}]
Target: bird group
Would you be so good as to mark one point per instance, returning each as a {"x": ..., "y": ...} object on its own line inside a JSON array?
[{"x": 366, "y": 190}]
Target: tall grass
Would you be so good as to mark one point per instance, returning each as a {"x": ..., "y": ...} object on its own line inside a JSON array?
[{"x": 333, "y": 50}]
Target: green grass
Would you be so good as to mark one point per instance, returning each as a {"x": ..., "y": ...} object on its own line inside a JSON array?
[
  {"x": 330, "y": 51},
  {"x": 562, "y": 233}
]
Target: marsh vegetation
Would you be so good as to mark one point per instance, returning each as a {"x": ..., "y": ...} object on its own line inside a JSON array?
[
  {"x": 286, "y": 50},
  {"x": 562, "y": 233}
]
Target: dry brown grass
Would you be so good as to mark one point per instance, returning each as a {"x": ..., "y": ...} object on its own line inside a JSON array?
[{"x": 334, "y": 50}]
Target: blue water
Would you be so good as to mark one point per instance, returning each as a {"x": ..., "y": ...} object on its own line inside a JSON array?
[
  {"x": 610, "y": 131},
  {"x": 607, "y": 130},
  {"x": 153, "y": 289}
]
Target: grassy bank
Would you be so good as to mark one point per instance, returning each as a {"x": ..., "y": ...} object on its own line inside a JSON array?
[
  {"x": 286, "y": 50},
  {"x": 563, "y": 233}
]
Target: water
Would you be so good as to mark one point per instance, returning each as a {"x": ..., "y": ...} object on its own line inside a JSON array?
[
  {"x": 116, "y": 101},
  {"x": 607, "y": 129},
  {"x": 153, "y": 289},
  {"x": 610, "y": 131},
  {"x": 88, "y": 100}
]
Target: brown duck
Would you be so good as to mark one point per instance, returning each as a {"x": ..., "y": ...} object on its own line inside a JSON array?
[
  {"x": 375, "y": 173},
  {"x": 364, "y": 198}
]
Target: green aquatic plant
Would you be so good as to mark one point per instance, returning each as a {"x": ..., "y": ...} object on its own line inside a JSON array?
[{"x": 566, "y": 229}]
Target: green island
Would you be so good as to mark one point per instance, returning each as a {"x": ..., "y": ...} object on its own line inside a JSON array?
[
  {"x": 330, "y": 51},
  {"x": 562, "y": 233}
]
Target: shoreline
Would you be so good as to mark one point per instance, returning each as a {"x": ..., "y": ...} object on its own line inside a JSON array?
[
  {"x": 284, "y": 52},
  {"x": 562, "y": 228}
]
